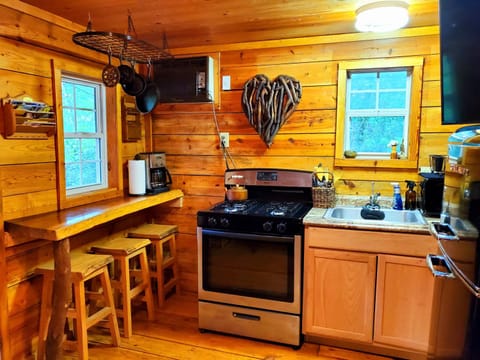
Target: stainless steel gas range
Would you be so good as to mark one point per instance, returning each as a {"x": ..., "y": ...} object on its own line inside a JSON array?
[{"x": 250, "y": 256}]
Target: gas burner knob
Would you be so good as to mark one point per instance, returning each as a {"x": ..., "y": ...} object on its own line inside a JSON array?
[
  {"x": 281, "y": 227},
  {"x": 212, "y": 222},
  {"x": 267, "y": 226},
  {"x": 224, "y": 223}
]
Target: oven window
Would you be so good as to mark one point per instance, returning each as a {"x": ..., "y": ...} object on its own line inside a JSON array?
[{"x": 254, "y": 266}]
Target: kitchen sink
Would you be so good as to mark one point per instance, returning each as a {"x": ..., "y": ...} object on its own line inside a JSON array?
[{"x": 393, "y": 217}]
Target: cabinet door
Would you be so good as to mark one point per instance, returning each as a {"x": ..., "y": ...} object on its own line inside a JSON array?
[
  {"x": 404, "y": 298},
  {"x": 339, "y": 294}
]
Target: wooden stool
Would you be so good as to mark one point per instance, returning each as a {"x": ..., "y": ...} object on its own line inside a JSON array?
[
  {"x": 163, "y": 257},
  {"x": 131, "y": 282},
  {"x": 84, "y": 267}
]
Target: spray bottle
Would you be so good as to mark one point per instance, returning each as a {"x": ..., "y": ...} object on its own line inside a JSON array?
[
  {"x": 397, "y": 197},
  {"x": 410, "y": 196}
]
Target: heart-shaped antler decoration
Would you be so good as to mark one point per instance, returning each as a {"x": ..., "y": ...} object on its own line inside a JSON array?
[{"x": 268, "y": 104}]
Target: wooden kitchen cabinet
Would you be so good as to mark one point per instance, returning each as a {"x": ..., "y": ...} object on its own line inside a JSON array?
[
  {"x": 339, "y": 293},
  {"x": 403, "y": 302},
  {"x": 370, "y": 289}
]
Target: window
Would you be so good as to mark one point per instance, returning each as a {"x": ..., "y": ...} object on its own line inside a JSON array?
[
  {"x": 378, "y": 106},
  {"x": 84, "y": 135}
]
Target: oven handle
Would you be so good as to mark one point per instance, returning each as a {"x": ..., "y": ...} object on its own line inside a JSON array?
[{"x": 245, "y": 236}]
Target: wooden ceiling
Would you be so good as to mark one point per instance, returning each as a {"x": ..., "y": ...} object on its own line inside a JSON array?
[{"x": 190, "y": 23}]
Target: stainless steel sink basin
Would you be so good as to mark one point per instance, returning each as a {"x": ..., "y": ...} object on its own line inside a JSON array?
[{"x": 393, "y": 217}]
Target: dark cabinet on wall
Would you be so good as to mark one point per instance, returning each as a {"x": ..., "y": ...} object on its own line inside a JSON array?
[{"x": 185, "y": 79}]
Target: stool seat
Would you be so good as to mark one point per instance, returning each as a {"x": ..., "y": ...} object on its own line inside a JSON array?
[
  {"x": 162, "y": 256},
  {"x": 84, "y": 267},
  {"x": 128, "y": 281}
]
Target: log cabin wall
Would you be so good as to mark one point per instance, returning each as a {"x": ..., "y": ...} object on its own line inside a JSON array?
[{"x": 187, "y": 133}]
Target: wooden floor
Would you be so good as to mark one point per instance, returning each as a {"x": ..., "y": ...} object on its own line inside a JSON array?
[{"x": 175, "y": 335}]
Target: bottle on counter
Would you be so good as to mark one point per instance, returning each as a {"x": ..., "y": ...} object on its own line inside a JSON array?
[
  {"x": 397, "y": 203},
  {"x": 410, "y": 196}
]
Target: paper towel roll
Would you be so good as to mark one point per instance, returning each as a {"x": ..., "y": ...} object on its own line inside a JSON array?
[{"x": 136, "y": 177}]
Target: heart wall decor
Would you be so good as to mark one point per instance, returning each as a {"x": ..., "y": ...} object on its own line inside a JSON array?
[{"x": 268, "y": 104}]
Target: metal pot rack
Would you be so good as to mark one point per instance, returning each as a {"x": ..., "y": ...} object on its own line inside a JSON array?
[{"x": 122, "y": 46}]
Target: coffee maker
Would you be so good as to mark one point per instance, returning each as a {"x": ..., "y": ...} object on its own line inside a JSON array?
[
  {"x": 432, "y": 186},
  {"x": 157, "y": 176}
]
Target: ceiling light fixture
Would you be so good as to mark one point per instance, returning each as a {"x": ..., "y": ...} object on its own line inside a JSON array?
[{"x": 382, "y": 16}]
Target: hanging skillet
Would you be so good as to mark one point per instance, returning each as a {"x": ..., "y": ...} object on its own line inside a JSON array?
[
  {"x": 110, "y": 73},
  {"x": 147, "y": 100},
  {"x": 126, "y": 73},
  {"x": 136, "y": 86}
]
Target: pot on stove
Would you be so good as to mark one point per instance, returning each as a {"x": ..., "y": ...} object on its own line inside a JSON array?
[{"x": 237, "y": 193}]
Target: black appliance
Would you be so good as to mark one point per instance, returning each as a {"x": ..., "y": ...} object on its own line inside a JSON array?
[
  {"x": 431, "y": 191},
  {"x": 157, "y": 176},
  {"x": 250, "y": 256},
  {"x": 460, "y": 56}
]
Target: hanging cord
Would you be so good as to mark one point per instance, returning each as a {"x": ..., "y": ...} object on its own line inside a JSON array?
[{"x": 226, "y": 153}]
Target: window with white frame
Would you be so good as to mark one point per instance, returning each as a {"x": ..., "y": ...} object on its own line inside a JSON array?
[
  {"x": 378, "y": 105},
  {"x": 377, "y": 111},
  {"x": 84, "y": 127}
]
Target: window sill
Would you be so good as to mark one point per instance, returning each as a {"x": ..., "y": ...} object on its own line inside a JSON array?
[{"x": 377, "y": 163}]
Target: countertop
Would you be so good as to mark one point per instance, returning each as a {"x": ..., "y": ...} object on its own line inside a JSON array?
[{"x": 315, "y": 217}]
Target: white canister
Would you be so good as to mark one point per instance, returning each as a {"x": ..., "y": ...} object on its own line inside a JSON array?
[{"x": 136, "y": 177}]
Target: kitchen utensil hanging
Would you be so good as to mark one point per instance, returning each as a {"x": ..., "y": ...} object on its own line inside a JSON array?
[
  {"x": 147, "y": 100},
  {"x": 110, "y": 73}
]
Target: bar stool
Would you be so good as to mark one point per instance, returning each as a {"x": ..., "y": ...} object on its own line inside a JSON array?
[
  {"x": 84, "y": 267},
  {"x": 128, "y": 281},
  {"x": 162, "y": 256}
]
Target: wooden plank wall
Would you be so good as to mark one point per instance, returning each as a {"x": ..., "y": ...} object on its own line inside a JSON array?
[{"x": 187, "y": 132}]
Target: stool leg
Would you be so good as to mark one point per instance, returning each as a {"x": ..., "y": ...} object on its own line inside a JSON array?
[
  {"x": 107, "y": 290},
  {"x": 81, "y": 319},
  {"x": 45, "y": 313},
  {"x": 148, "y": 286},
  {"x": 126, "y": 303},
  {"x": 159, "y": 270}
]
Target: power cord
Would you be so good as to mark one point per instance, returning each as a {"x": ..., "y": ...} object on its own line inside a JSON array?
[{"x": 226, "y": 154}]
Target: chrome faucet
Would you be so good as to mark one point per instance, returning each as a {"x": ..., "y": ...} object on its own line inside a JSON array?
[{"x": 373, "y": 202}]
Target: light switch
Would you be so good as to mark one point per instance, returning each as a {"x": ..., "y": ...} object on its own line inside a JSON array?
[{"x": 226, "y": 82}]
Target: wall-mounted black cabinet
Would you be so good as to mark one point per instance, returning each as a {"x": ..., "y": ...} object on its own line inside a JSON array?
[{"x": 183, "y": 80}]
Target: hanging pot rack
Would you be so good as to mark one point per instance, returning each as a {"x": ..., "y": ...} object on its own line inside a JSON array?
[{"x": 122, "y": 46}]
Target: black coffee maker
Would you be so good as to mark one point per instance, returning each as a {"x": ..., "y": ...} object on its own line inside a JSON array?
[
  {"x": 432, "y": 186},
  {"x": 157, "y": 176}
]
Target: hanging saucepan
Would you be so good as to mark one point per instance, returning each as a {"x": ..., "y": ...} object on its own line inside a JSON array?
[
  {"x": 126, "y": 73},
  {"x": 136, "y": 86},
  {"x": 110, "y": 74},
  {"x": 147, "y": 100}
]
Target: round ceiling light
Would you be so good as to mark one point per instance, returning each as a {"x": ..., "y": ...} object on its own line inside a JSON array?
[{"x": 382, "y": 16}]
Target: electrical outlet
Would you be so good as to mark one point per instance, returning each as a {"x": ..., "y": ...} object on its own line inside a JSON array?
[{"x": 225, "y": 139}]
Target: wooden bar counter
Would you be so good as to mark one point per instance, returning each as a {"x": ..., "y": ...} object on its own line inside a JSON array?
[{"x": 59, "y": 226}]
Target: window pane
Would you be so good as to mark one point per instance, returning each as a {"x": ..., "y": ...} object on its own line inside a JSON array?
[
  {"x": 392, "y": 100},
  {"x": 363, "y": 81},
  {"x": 67, "y": 94},
  {"x": 85, "y": 97},
  {"x": 363, "y": 100},
  {"x": 68, "y": 120},
  {"x": 374, "y": 133},
  {"x": 393, "y": 79},
  {"x": 90, "y": 149},
  {"x": 72, "y": 150},
  {"x": 72, "y": 175},
  {"x": 86, "y": 121},
  {"x": 90, "y": 173}
]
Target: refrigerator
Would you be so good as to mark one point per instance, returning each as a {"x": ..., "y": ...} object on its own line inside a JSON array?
[{"x": 456, "y": 325}]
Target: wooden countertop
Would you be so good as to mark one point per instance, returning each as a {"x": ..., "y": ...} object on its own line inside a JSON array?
[{"x": 62, "y": 224}]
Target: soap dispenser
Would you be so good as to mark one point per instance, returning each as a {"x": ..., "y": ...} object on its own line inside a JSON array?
[
  {"x": 410, "y": 196},
  {"x": 397, "y": 197}
]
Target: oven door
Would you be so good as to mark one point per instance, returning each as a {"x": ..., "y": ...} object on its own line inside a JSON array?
[{"x": 258, "y": 271}]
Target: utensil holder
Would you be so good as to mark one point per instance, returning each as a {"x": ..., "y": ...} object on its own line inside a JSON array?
[{"x": 324, "y": 196}]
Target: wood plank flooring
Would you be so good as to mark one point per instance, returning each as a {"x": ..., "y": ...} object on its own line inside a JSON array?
[{"x": 175, "y": 335}]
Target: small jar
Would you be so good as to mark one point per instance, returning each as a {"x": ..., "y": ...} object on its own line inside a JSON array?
[{"x": 393, "y": 154}]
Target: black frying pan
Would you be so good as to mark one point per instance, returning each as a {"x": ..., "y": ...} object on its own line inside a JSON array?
[{"x": 147, "y": 100}]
